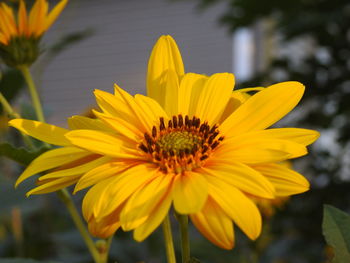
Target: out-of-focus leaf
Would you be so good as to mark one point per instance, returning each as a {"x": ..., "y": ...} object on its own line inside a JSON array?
[
  {"x": 59, "y": 46},
  {"x": 20, "y": 155},
  {"x": 23, "y": 260},
  {"x": 336, "y": 229},
  {"x": 11, "y": 82},
  {"x": 69, "y": 40}
]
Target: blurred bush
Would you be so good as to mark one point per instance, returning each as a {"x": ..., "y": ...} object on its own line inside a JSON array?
[{"x": 322, "y": 63}]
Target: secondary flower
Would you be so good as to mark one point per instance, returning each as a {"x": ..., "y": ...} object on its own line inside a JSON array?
[
  {"x": 20, "y": 34},
  {"x": 268, "y": 207},
  {"x": 193, "y": 144}
]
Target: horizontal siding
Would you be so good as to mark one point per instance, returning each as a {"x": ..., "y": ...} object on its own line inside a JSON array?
[{"x": 117, "y": 52}]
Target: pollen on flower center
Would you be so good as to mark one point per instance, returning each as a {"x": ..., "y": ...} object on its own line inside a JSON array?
[
  {"x": 181, "y": 145},
  {"x": 179, "y": 141}
]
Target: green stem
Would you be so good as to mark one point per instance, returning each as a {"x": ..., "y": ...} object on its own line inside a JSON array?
[
  {"x": 7, "y": 107},
  {"x": 33, "y": 92},
  {"x": 185, "y": 241},
  {"x": 109, "y": 243},
  {"x": 168, "y": 237},
  {"x": 14, "y": 115},
  {"x": 103, "y": 247},
  {"x": 67, "y": 200}
]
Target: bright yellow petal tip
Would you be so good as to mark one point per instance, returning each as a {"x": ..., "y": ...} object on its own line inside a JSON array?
[{"x": 165, "y": 58}]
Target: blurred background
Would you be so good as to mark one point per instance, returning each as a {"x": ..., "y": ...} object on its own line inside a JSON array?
[{"x": 97, "y": 43}]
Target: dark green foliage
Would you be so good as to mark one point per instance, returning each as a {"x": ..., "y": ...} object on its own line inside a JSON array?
[
  {"x": 336, "y": 229},
  {"x": 11, "y": 83},
  {"x": 20, "y": 155}
]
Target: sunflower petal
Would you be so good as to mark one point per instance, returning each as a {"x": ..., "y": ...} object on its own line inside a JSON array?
[
  {"x": 52, "y": 159},
  {"x": 150, "y": 107},
  {"x": 296, "y": 135},
  {"x": 53, "y": 186},
  {"x": 165, "y": 56},
  {"x": 190, "y": 192},
  {"x": 264, "y": 108},
  {"x": 8, "y": 24},
  {"x": 240, "y": 176},
  {"x": 127, "y": 183},
  {"x": 116, "y": 107},
  {"x": 100, "y": 173},
  {"x": 100, "y": 142},
  {"x": 102, "y": 229},
  {"x": 22, "y": 19},
  {"x": 77, "y": 170},
  {"x": 155, "y": 218},
  {"x": 214, "y": 224},
  {"x": 55, "y": 12},
  {"x": 137, "y": 111},
  {"x": 37, "y": 17},
  {"x": 81, "y": 122},
  {"x": 171, "y": 92},
  {"x": 237, "y": 206},
  {"x": 96, "y": 199},
  {"x": 41, "y": 131},
  {"x": 214, "y": 96},
  {"x": 3, "y": 38},
  {"x": 236, "y": 100},
  {"x": 189, "y": 92},
  {"x": 4, "y": 29},
  {"x": 286, "y": 181},
  {"x": 141, "y": 204},
  {"x": 121, "y": 126},
  {"x": 253, "y": 150}
]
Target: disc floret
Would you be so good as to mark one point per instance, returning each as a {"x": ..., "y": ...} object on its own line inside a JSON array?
[{"x": 181, "y": 145}]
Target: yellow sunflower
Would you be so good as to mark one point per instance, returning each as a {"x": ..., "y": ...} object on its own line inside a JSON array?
[
  {"x": 192, "y": 144},
  {"x": 20, "y": 34}
]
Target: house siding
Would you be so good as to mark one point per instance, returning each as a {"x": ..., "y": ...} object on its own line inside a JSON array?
[{"x": 118, "y": 51}]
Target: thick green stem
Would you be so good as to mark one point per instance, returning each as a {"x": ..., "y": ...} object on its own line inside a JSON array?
[
  {"x": 67, "y": 200},
  {"x": 168, "y": 237},
  {"x": 103, "y": 247},
  {"x": 33, "y": 92},
  {"x": 185, "y": 241},
  {"x": 14, "y": 115}
]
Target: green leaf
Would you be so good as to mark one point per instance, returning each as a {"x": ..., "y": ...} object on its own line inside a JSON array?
[
  {"x": 336, "y": 229},
  {"x": 11, "y": 83},
  {"x": 23, "y": 260},
  {"x": 69, "y": 40},
  {"x": 20, "y": 155}
]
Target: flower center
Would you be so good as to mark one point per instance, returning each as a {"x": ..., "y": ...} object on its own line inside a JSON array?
[
  {"x": 178, "y": 141},
  {"x": 182, "y": 145}
]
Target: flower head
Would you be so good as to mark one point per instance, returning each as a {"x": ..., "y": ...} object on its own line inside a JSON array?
[
  {"x": 192, "y": 144},
  {"x": 20, "y": 35}
]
